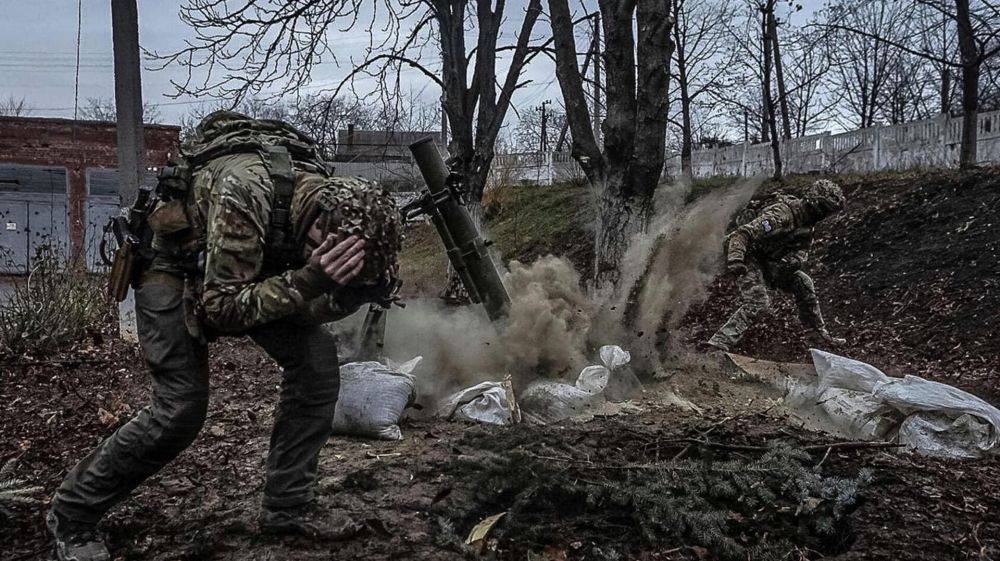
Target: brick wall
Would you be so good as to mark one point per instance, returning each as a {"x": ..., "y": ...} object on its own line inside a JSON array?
[{"x": 77, "y": 146}]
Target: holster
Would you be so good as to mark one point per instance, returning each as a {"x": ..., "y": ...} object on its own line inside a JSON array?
[{"x": 122, "y": 270}]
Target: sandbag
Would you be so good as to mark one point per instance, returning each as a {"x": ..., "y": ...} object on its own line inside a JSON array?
[
  {"x": 488, "y": 402},
  {"x": 550, "y": 401},
  {"x": 937, "y": 419},
  {"x": 372, "y": 399}
]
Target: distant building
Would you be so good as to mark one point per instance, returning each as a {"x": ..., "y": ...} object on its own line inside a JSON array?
[
  {"x": 59, "y": 184},
  {"x": 365, "y": 146}
]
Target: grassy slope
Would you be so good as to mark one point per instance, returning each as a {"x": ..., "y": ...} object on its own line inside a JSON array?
[{"x": 524, "y": 223}]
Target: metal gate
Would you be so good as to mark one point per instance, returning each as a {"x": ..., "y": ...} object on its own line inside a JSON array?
[{"x": 32, "y": 215}]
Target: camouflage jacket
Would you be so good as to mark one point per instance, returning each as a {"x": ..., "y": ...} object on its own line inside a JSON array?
[
  {"x": 781, "y": 233},
  {"x": 229, "y": 207}
]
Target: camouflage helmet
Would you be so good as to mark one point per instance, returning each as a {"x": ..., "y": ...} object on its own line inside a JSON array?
[
  {"x": 825, "y": 195},
  {"x": 346, "y": 206}
]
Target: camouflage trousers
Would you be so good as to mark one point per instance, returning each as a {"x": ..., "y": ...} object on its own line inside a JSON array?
[
  {"x": 755, "y": 299},
  {"x": 179, "y": 367}
]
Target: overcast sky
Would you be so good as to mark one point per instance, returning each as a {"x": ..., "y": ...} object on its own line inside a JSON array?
[{"x": 38, "y": 57}]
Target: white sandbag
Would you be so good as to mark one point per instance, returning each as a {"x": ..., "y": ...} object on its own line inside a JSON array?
[
  {"x": 550, "y": 401},
  {"x": 372, "y": 398},
  {"x": 488, "y": 402},
  {"x": 938, "y": 419}
]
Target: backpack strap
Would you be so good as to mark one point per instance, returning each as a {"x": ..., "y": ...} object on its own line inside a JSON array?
[{"x": 279, "y": 250}]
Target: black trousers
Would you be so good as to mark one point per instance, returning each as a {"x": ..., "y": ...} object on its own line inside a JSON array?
[{"x": 179, "y": 366}]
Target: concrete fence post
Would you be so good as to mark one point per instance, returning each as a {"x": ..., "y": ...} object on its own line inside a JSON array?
[{"x": 877, "y": 147}]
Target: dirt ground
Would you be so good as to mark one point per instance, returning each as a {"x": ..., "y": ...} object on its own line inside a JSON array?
[
  {"x": 908, "y": 275},
  {"x": 419, "y": 498}
]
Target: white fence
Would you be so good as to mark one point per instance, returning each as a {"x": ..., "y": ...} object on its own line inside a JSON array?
[{"x": 928, "y": 143}]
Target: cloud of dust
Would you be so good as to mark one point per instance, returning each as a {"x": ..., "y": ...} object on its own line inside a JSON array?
[
  {"x": 668, "y": 269},
  {"x": 687, "y": 256},
  {"x": 544, "y": 335},
  {"x": 552, "y": 319}
]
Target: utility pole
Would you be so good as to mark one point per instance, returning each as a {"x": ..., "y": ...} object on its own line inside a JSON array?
[
  {"x": 128, "y": 104},
  {"x": 128, "y": 97},
  {"x": 596, "y": 46},
  {"x": 545, "y": 124}
]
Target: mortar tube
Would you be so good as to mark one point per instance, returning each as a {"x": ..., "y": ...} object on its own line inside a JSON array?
[{"x": 469, "y": 252}]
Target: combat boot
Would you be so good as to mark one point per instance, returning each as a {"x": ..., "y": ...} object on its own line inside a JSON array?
[
  {"x": 76, "y": 541},
  {"x": 713, "y": 346},
  {"x": 307, "y": 521},
  {"x": 822, "y": 336}
]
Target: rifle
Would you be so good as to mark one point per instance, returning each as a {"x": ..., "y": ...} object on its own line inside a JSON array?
[{"x": 130, "y": 232}]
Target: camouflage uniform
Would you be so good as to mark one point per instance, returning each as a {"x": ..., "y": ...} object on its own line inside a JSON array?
[
  {"x": 208, "y": 278},
  {"x": 773, "y": 247}
]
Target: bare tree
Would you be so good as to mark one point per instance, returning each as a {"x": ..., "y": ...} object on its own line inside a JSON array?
[
  {"x": 864, "y": 60},
  {"x": 977, "y": 25},
  {"x": 700, "y": 62},
  {"x": 624, "y": 171},
  {"x": 811, "y": 100},
  {"x": 13, "y": 107},
  {"x": 908, "y": 95},
  {"x": 741, "y": 97},
  {"x": 779, "y": 69},
  {"x": 767, "y": 23},
  {"x": 249, "y": 47},
  {"x": 103, "y": 109}
]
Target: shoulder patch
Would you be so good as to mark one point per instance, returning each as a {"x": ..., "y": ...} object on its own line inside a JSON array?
[{"x": 767, "y": 225}]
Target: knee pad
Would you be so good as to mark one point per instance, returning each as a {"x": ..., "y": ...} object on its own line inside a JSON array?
[
  {"x": 802, "y": 285},
  {"x": 757, "y": 299}
]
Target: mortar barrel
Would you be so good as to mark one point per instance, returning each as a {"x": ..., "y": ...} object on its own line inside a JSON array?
[{"x": 470, "y": 252}]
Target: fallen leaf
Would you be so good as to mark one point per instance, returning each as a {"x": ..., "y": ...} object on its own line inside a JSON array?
[
  {"x": 106, "y": 417},
  {"x": 477, "y": 536}
]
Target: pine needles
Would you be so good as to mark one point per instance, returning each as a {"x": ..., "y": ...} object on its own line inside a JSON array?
[
  {"x": 14, "y": 490},
  {"x": 759, "y": 505}
]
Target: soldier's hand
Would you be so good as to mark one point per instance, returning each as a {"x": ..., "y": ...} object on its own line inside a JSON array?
[
  {"x": 736, "y": 268},
  {"x": 342, "y": 261}
]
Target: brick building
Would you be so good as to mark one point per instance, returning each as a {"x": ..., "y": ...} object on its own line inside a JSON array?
[{"x": 58, "y": 184}]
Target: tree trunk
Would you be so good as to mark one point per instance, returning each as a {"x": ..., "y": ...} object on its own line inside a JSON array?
[
  {"x": 779, "y": 75},
  {"x": 971, "y": 68},
  {"x": 769, "y": 113},
  {"x": 626, "y": 172},
  {"x": 687, "y": 136},
  {"x": 946, "y": 90},
  {"x": 621, "y": 218}
]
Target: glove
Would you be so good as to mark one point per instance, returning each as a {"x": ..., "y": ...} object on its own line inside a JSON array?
[
  {"x": 736, "y": 268},
  {"x": 383, "y": 293}
]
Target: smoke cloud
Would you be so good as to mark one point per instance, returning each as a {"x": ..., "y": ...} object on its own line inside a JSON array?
[
  {"x": 544, "y": 335},
  {"x": 668, "y": 269},
  {"x": 553, "y": 324}
]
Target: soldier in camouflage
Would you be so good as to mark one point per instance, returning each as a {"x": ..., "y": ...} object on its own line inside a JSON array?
[
  {"x": 768, "y": 252},
  {"x": 215, "y": 271}
]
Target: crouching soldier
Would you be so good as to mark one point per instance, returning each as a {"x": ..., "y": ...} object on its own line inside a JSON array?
[
  {"x": 768, "y": 250},
  {"x": 251, "y": 236}
]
